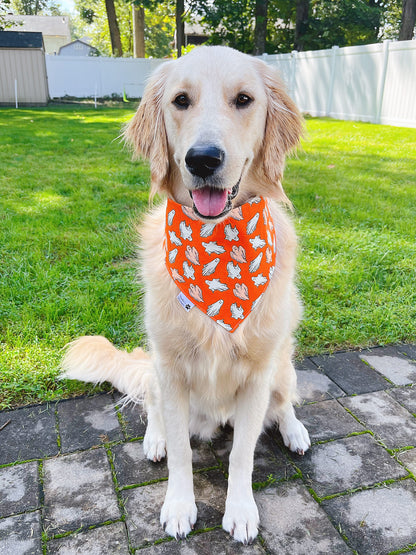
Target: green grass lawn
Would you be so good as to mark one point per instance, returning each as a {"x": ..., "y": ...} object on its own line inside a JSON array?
[{"x": 69, "y": 193}]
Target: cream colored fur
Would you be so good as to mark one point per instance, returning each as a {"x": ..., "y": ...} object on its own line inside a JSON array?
[{"x": 197, "y": 376}]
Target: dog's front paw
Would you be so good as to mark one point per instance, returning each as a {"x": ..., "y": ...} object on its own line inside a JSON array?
[
  {"x": 295, "y": 436},
  {"x": 241, "y": 519},
  {"x": 178, "y": 516},
  {"x": 154, "y": 447}
]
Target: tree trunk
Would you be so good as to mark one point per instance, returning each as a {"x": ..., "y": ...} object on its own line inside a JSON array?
[
  {"x": 260, "y": 30},
  {"x": 180, "y": 26},
  {"x": 302, "y": 16},
  {"x": 138, "y": 32},
  {"x": 116, "y": 47},
  {"x": 407, "y": 25}
]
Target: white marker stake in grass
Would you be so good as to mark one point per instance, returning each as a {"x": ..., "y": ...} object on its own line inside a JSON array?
[{"x": 15, "y": 93}]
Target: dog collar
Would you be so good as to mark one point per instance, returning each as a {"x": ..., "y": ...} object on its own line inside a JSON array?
[{"x": 222, "y": 268}]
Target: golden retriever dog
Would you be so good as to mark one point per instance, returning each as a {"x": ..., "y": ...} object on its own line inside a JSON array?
[{"x": 216, "y": 125}]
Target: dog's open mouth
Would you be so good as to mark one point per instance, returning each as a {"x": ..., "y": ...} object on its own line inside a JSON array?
[{"x": 213, "y": 203}]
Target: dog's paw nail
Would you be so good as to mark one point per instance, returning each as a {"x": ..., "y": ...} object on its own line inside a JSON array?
[{"x": 300, "y": 451}]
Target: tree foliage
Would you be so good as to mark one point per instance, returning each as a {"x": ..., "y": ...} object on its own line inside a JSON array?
[
  {"x": 34, "y": 7},
  {"x": 304, "y": 24},
  {"x": 286, "y": 25},
  {"x": 159, "y": 29},
  {"x": 5, "y": 22},
  {"x": 91, "y": 20},
  {"x": 227, "y": 22},
  {"x": 344, "y": 23}
]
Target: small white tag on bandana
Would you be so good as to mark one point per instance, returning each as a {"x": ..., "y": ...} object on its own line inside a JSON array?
[{"x": 185, "y": 302}]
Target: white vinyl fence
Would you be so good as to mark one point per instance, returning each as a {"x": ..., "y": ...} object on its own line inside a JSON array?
[
  {"x": 83, "y": 77},
  {"x": 374, "y": 83}
]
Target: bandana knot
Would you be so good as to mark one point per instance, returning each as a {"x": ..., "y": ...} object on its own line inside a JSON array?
[{"x": 221, "y": 268}]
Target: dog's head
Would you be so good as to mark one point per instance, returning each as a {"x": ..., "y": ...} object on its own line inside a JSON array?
[{"x": 216, "y": 126}]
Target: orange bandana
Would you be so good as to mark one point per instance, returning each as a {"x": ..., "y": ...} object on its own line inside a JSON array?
[{"x": 221, "y": 268}]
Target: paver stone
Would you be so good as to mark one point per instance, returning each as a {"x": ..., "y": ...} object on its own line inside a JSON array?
[
  {"x": 143, "y": 505},
  {"x": 314, "y": 385},
  {"x": 348, "y": 463},
  {"x": 397, "y": 369},
  {"x": 110, "y": 539},
  {"x": 327, "y": 420},
  {"x": 378, "y": 520},
  {"x": 78, "y": 491},
  {"x": 292, "y": 522},
  {"x": 19, "y": 488},
  {"x": 385, "y": 417},
  {"x": 215, "y": 542},
  {"x": 21, "y": 534},
  {"x": 87, "y": 422},
  {"x": 134, "y": 417},
  {"x": 350, "y": 373},
  {"x": 408, "y": 458},
  {"x": 30, "y": 434},
  {"x": 406, "y": 396}
]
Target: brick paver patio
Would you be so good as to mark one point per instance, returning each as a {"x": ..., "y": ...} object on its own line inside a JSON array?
[{"x": 73, "y": 478}]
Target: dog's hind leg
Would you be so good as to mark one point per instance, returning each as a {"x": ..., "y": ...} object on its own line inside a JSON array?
[
  {"x": 295, "y": 435},
  {"x": 284, "y": 395},
  {"x": 154, "y": 442},
  {"x": 94, "y": 359}
]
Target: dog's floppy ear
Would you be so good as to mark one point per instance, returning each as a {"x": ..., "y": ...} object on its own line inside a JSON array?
[
  {"x": 284, "y": 126},
  {"x": 146, "y": 131}
]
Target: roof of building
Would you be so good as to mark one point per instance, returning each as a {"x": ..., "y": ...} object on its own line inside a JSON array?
[
  {"x": 49, "y": 25},
  {"x": 20, "y": 39},
  {"x": 79, "y": 41}
]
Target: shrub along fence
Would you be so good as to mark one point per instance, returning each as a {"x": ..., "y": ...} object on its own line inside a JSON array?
[{"x": 374, "y": 83}]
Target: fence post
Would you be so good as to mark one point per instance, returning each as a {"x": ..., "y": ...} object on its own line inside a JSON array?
[
  {"x": 382, "y": 81},
  {"x": 15, "y": 93},
  {"x": 292, "y": 85},
  {"x": 334, "y": 54}
]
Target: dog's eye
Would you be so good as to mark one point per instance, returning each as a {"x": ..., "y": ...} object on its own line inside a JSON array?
[
  {"x": 242, "y": 100},
  {"x": 182, "y": 101}
]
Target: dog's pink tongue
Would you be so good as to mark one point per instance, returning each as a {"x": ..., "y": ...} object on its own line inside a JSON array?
[{"x": 209, "y": 201}]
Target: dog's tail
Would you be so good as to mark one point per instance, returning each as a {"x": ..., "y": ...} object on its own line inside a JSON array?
[{"x": 94, "y": 359}]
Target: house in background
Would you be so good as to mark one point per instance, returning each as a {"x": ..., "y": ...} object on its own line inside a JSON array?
[
  {"x": 195, "y": 34},
  {"x": 78, "y": 47},
  {"x": 23, "y": 78},
  {"x": 54, "y": 28}
]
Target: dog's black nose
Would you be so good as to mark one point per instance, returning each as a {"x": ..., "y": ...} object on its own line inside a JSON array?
[{"x": 204, "y": 160}]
